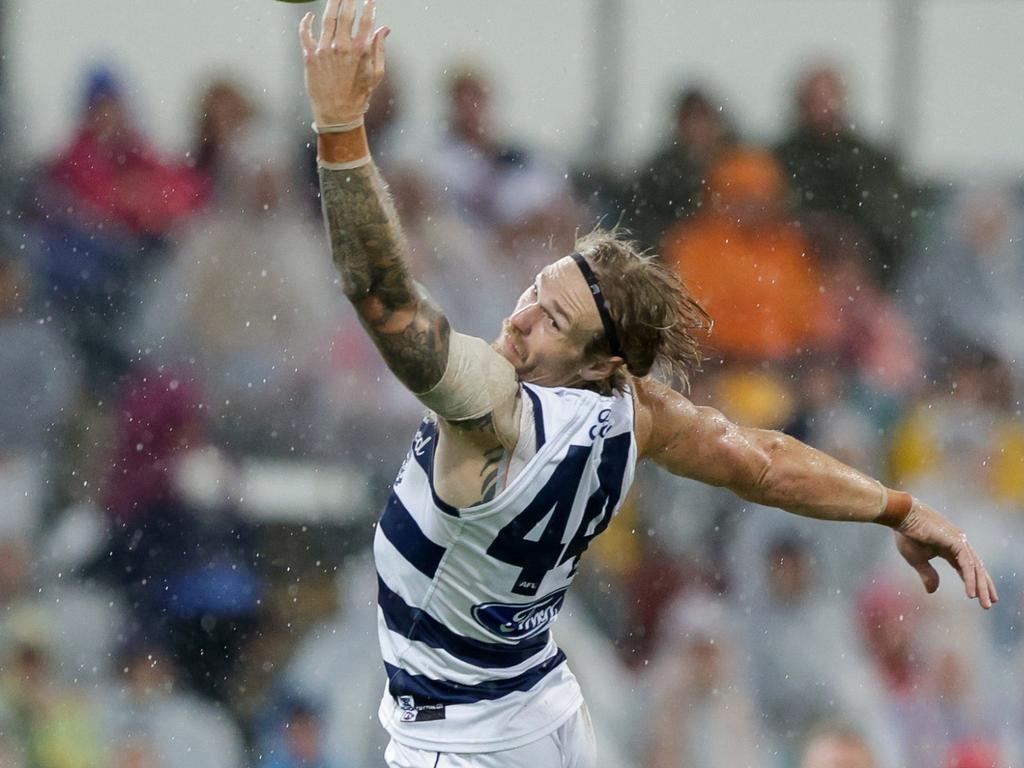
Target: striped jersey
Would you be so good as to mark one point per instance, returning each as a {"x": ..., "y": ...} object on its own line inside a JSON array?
[{"x": 467, "y": 595}]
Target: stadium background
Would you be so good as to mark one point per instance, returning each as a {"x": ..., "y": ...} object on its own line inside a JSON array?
[{"x": 189, "y": 486}]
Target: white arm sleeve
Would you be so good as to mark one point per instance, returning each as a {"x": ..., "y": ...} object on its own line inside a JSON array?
[{"x": 477, "y": 381}]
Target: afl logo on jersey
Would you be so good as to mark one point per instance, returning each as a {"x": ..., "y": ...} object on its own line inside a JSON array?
[{"x": 518, "y": 622}]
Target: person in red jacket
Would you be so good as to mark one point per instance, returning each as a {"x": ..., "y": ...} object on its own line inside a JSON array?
[{"x": 114, "y": 170}]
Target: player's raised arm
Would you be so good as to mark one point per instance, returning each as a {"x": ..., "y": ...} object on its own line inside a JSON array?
[
  {"x": 342, "y": 67},
  {"x": 773, "y": 469}
]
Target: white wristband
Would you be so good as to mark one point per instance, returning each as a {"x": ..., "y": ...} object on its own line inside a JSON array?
[
  {"x": 349, "y": 166},
  {"x": 351, "y": 125},
  {"x": 885, "y": 497}
]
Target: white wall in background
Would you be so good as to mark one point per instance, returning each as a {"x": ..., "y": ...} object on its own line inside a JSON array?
[
  {"x": 542, "y": 60},
  {"x": 749, "y": 54},
  {"x": 166, "y": 50},
  {"x": 972, "y": 100}
]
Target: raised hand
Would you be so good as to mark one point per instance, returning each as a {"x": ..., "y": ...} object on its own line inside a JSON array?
[
  {"x": 926, "y": 534},
  {"x": 344, "y": 65}
]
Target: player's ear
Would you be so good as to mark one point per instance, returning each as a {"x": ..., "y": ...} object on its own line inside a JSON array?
[{"x": 598, "y": 370}]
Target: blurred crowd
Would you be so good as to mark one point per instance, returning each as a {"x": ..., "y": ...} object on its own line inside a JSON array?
[{"x": 184, "y": 575}]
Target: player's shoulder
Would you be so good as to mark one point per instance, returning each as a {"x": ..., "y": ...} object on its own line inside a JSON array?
[
  {"x": 558, "y": 409},
  {"x": 573, "y": 399},
  {"x": 658, "y": 407}
]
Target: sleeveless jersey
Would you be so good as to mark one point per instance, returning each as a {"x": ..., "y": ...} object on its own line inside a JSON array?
[{"x": 467, "y": 595}]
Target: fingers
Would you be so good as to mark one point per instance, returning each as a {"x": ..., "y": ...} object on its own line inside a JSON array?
[
  {"x": 992, "y": 588},
  {"x": 306, "y": 34},
  {"x": 377, "y": 52},
  {"x": 952, "y": 546},
  {"x": 986, "y": 588},
  {"x": 929, "y": 576},
  {"x": 366, "y": 22},
  {"x": 965, "y": 563},
  {"x": 329, "y": 23},
  {"x": 977, "y": 581},
  {"x": 347, "y": 14}
]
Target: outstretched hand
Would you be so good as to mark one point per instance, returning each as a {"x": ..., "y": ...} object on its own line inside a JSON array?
[
  {"x": 925, "y": 534},
  {"x": 343, "y": 65}
]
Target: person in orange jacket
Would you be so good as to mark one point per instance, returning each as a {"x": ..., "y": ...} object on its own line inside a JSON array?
[{"x": 748, "y": 264}]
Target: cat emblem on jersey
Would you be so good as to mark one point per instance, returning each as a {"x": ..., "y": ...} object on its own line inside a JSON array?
[
  {"x": 603, "y": 425},
  {"x": 518, "y": 621}
]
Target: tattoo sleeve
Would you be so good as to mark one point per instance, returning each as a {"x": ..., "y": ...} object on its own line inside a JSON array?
[{"x": 370, "y": 252}]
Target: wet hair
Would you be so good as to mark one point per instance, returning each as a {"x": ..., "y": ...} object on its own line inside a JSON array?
[{"x": 657, "y": 319}]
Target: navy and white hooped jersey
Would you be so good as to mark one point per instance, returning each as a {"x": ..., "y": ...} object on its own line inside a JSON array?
[{"x": 467, "y": 596}]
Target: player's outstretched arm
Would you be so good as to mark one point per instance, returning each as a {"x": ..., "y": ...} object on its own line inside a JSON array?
[
  {"x": 342, "y": 67},
  {"x": 773, "y": 469}
]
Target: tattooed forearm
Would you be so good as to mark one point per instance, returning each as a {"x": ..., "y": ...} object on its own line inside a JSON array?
[
  {"x": 366, "y": 240},
  {"x": 370, "y": 251}
]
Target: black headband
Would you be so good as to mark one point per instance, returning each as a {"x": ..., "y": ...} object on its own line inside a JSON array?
[{"x": 606, "y": 319}]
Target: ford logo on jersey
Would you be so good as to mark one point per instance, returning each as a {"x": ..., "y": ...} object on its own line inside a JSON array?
[{"x": 518, "y": 622}]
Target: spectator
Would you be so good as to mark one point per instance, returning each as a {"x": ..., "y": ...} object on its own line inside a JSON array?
[
  {"x": 829, "y": 419},
  {"x": 111, "y": 169},
  {"x": 37, "y": 369},
  {"x": 869, "y": 336},
  {"x": 460, "y": 260},
  {"x": 700, "y": 713},
  {"x": 15, "y": 589},
  {"x": 835, "y": 169},
  {"x": 55, "y": 723},
  {"x": 330, "y": 666},
  {"x": 186, "y": 574},
  {"x": 225, "y": 111},
  {"x": 105, "y": 202},
  {"x": 795, "y": 689},
  {"x": 249, "y": 303},
  {"x": 298, "y": 742},
  {"x": 974, "y": 755},
  {"x": 962, "y": 446},
  {"x": 892, "y": 623},
  {"x": 487, "y": 181},
  {"x": 1010, "y": 698},
  {"x": 967, "y": 288},
  {"x": 748, "y": 264},
  {"x": 836, "y": 746},
  {"x": 538, "y": 219},
  {"x": 670, "y": 185},
  {"x": 148, "y": 721},
  {"x": 38, "y": 377}
]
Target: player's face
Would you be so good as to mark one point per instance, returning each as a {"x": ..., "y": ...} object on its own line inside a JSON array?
[{"x": 546, "y": 336}]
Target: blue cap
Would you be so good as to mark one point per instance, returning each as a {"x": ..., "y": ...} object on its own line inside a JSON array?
[{"x": 102, "y": 83}]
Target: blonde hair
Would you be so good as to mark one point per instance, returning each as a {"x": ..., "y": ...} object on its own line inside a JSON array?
[{"x": 657, "y": 319}]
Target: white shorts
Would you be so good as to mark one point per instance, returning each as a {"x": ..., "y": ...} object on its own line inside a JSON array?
[{"x": 571, "y": 746}]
